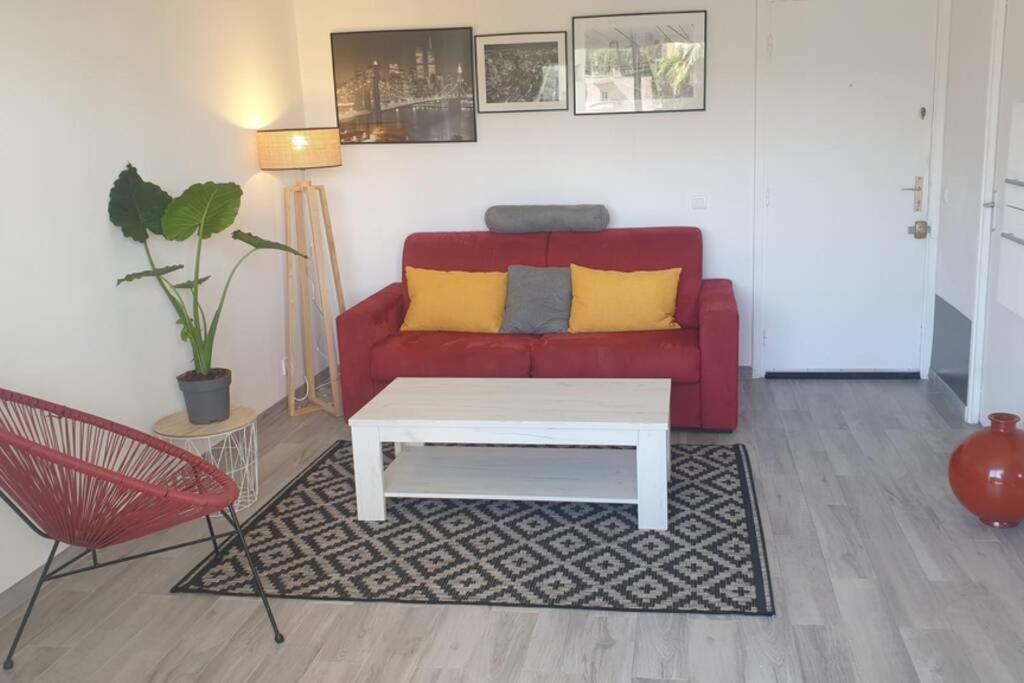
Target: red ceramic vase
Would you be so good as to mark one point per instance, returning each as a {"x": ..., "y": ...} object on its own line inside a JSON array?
[{"x": 987, "y": 472}]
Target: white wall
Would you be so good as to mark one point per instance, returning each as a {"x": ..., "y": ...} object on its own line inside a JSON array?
[
  {"x": 1003, "y": 375},
  {"x": 644, "y": 167},
  {"x": 964, "y": 151},
  {"x": 173, "y": 87}
]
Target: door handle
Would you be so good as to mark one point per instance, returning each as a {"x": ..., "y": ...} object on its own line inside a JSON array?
[
  {"x": 920, "y": 230},
  {"x": 918, "y": 190}
]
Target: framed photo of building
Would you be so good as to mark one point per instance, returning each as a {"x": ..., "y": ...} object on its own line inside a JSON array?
[
  {"x": 522, "y": 72},
  {"x": 639, "y": 63},
  {"x": 413, "y": 85}
]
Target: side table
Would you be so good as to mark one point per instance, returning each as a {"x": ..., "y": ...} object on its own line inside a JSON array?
[{"x": 229, "y": 445}]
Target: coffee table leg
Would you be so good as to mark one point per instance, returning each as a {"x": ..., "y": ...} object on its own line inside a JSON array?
[
  {"x": 368, "y": 460},
  {"x": 652, "y": 479}
]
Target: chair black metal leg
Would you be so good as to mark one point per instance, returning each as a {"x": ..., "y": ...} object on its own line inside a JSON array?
[
  {"x": 9, "y": 662},
  {"x": 213, "y": 536},
  {"x": 233, "y": 519}
]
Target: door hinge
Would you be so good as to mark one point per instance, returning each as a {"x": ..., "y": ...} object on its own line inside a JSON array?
[
  {"x": 770, "y": 45},
  {"x": 768, "y": 196},
  {"x": 764, "y": 338}
]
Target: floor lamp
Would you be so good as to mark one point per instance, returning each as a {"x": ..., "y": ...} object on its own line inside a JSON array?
[{"x": 305, "y": 205}]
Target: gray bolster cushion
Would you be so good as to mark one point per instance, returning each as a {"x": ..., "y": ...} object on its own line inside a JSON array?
[{"x": 547, "y": 218}]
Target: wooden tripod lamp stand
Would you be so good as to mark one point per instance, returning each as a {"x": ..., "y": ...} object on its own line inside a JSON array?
[{"x": 308, "y": 222}]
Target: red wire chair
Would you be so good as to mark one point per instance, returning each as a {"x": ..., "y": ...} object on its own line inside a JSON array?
[{"x": 79, "y": 479}]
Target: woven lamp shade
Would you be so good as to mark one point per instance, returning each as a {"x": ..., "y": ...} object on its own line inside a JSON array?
[{"x": 298, "y": 148}]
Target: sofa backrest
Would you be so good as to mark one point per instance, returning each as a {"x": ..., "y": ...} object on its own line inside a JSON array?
[
  {"x": 474, "y": 251},
  {"x": 615, "y": 249},
  {"x": 639, "y": 249}
]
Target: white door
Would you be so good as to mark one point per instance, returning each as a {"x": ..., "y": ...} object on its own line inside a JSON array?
[
  {"x": 845, "y": 94},
  {"x": 999, "y": 363}
]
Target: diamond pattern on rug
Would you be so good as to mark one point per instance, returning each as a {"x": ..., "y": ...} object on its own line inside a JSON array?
[{"x": 309, "y": 544}]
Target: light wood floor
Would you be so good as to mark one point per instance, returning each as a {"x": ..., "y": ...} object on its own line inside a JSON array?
[{"x": 879, "y": 577}]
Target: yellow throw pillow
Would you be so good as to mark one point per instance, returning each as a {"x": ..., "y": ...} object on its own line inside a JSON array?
[
  {"x": 619, "y": 301},
  {"x": 454, "y": 300}
]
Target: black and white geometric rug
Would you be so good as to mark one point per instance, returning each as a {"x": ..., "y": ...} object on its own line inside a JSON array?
[{"x": 309, "y": 544}]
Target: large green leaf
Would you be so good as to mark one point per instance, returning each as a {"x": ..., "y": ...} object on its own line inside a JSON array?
[
  {"x": 158, "y": 272},
  {"x": 257, "y": 242},
  {"x": 137, "y": 206},
  {"x": 191, "y": 283},
  {"x": 206, "y": 207}
]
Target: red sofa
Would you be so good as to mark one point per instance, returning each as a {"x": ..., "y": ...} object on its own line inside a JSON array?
[{"x": 701, "y": 359}]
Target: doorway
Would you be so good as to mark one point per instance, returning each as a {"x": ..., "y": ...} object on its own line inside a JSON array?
[{"x": 844, "y": 125}]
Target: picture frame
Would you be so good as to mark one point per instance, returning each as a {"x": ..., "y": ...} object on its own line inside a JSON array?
[
  {"x": 522, "y": 72},
  {"x": 404, "y": 85},
  {"x": 650, "y": 62}
]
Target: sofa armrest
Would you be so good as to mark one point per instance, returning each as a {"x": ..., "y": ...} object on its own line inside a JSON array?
[
  {"x": 719, "y": 355},
  {"x": 360, "y": 328}
]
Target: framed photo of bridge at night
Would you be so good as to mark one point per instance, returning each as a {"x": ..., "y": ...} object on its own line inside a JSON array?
[
  {"x": 521, "y": 72},
  {"x": 412, "y": 85},
  {"x": 639, "y": 63}
]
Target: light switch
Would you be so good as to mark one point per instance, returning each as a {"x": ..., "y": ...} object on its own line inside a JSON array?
[{"x": 699, "y": 202}]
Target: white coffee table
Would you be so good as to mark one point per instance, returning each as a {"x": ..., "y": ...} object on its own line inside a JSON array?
[{"x": 517, "y": 414}]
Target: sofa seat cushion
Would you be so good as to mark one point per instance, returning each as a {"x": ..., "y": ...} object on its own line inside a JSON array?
[
  {"x": 451, "y": 354},
  {"x": 672, "y": 354}
]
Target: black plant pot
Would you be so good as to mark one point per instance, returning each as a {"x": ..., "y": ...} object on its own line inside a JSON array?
[{"x": 207, "y": 397}]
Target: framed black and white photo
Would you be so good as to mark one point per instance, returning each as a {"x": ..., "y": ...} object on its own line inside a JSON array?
[
  {"x": 412, "y": 85},
  {"x": 639, "y": 63},
  {"x": 522, "y": 72}
]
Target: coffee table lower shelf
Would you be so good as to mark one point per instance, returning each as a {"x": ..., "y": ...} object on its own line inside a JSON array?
[{"x": 583, "y": 475}]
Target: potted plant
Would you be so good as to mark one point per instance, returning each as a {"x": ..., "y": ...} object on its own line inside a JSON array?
[{"x": 140, "y": 209}]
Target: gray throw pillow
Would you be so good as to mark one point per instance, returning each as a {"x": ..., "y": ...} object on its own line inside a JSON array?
[
  {"x": 538, "y": 300},
  {"x": 547, "y": 218}
]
